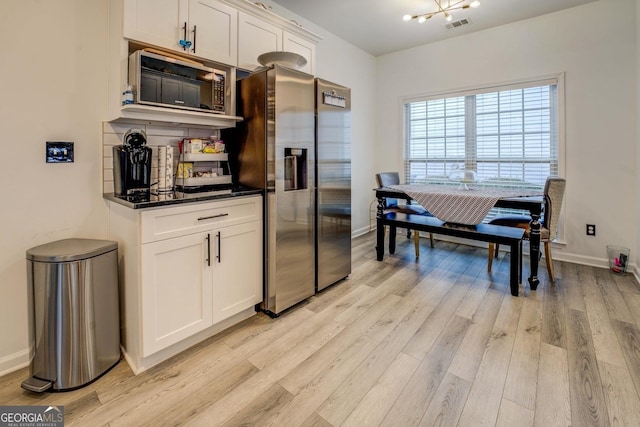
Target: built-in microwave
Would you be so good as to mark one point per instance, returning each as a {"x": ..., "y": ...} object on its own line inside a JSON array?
[{"x": 170, "y": 82}]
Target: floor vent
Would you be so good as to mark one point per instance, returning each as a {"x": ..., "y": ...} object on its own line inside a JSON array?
[{"x": 459, "y": 23}]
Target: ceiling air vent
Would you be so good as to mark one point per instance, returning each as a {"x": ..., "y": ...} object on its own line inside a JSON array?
[{"x": 456, "y": 24}]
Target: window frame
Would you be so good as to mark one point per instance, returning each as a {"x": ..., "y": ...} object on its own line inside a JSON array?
[{"x": 557, "y": 79}]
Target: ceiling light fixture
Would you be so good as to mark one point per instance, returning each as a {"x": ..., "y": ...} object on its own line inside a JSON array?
[{"x": 445, "y": 7}]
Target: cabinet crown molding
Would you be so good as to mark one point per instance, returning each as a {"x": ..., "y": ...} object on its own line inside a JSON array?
[{"x": 252, "y": 8}]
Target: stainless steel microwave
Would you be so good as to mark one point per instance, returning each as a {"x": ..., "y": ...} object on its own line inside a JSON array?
[{"x": 170, "y": 82}]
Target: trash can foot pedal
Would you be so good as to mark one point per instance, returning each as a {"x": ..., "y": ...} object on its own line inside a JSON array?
[{"x": 36, "y": 385}]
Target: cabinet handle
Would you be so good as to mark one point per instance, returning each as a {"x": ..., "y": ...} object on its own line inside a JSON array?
[
  {"x": 202, "y": 218},
  {"x": 184, "y": 40},
  {"x": 208, "y": 250},
  {"x": 219, "y": 249},
  {"x": 194, "y": 39}
]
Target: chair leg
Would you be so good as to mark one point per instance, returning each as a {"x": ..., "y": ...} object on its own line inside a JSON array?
[
  {"x": 416, "y": 242},
  {"x": 490, "y": 259},
  {"x": 549, "y": 260},
  {"x": 497, "y": 249},
  {"x": 431, "y": 239}
]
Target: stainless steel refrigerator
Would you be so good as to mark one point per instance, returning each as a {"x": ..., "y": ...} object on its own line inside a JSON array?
[
  {"x": 333, "y": 182},
  {"x": 307, "y": 231},
  {"x": 275, "y": 150}
]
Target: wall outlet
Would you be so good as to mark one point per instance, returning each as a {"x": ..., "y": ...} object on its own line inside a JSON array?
[{"x": 591, "y": 229}]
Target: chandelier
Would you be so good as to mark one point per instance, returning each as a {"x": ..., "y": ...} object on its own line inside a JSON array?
[{"x": 445, "y": 7}]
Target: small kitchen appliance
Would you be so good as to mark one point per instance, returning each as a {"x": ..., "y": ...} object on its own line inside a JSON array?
[
  {"x": 132, "y": 166},
  {"x": 165, "y": 81}
]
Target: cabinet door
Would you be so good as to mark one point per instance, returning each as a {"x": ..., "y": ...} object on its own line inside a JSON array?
[
  {"x": 161, "y": 23},
  {"x": 255, "y": 37},
  {"x": 216, "y": 36},
  {"x": 176, "y": 290},
  {"x": 157, "y": 22},
  {"x": 296, "y": 44},
  {"x": 237, "y": 269}
]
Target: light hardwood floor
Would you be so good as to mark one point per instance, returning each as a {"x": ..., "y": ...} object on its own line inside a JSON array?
[{"x": 429, "y": 341}]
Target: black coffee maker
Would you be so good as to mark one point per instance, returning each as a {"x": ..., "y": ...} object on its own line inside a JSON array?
[{"x": 132, "y": 166}]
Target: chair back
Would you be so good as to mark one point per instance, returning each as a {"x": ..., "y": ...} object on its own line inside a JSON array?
[
  {"x": 385, "y": 179},
  {"x": 553, "y": 195}
]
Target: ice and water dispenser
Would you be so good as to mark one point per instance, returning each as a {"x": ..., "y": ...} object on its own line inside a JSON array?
[{"x": 295, "y": 169}]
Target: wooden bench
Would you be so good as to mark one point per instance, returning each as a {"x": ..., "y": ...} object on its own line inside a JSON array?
[{"x": 503, "y": 235}]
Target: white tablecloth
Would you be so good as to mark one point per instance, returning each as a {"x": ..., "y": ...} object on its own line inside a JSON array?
[{"x": 461, "y": 206}]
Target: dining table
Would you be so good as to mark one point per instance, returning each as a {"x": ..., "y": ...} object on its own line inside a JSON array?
[{"x": 469, "y": 205}]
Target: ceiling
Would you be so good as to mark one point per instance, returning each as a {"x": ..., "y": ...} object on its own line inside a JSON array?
[{"x": 376, "y": 26}]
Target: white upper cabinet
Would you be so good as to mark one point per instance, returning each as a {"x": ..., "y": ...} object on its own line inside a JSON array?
[
  {"x": 255, "y": 37},
  {"x": 221, "y": 34},
  {"x": 231, "y": 32},
  {"x": 261, "y": 31},
  {"x": 303, "y": 47},
  {"x": 205, "y": 28},
  {"x": 156, "y": 22},
  {"x": 216, "y": 30}
]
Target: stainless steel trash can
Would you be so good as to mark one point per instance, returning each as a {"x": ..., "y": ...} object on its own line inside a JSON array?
[{"x": 74, "y": 315}]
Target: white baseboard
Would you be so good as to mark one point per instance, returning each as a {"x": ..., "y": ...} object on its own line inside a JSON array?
[
  {"x": 360, "y": 232},
  {"x": 581, "y": 259},
  {"x": 635, "y": 272},
  {"x": 557, "y": 255},
  {"x": 15, "y": 361}
]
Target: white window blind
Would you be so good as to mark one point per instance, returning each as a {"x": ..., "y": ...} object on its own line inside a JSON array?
[{"x": 508, "y": 135}]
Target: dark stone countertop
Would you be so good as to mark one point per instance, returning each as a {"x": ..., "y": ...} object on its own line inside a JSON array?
[{"x": 154, "y": 201}]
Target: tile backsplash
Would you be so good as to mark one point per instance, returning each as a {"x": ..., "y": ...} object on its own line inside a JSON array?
[{"x": 113, "y": 133}]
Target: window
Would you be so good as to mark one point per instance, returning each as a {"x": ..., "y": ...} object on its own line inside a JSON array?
[{"x": 508, "y": 135}]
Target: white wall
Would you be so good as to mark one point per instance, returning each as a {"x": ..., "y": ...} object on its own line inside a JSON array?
[
  {"x": 54, "y": 85},
  {"x": 594, "y": 45}
]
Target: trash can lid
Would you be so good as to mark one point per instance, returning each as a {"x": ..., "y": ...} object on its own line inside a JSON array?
[{"x": 70, "y": 250}]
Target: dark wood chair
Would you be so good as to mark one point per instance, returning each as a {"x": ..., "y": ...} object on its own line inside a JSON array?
[
  {"x": 553, "y": 195},
  {"x": 386, "y": 179}
]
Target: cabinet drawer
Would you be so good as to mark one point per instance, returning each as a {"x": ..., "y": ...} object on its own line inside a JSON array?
[{"x": 175, "y": 221}]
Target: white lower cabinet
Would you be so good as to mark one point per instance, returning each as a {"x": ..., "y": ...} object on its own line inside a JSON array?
[
  {"x": 237, "y": 277},
  {"x": 176, "y": 291},
  {"x": 186, "y": 272}
]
